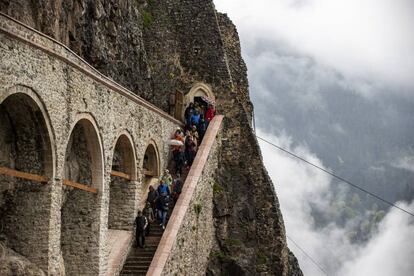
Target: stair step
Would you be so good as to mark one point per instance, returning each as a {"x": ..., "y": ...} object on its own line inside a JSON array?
[{"x": 139, "y": 259}]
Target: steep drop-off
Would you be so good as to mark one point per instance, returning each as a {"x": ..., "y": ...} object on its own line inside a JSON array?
[{"x": 156, "y": 48}]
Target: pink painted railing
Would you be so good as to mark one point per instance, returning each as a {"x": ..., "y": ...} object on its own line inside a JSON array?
[{"x": 177, "y": 217}]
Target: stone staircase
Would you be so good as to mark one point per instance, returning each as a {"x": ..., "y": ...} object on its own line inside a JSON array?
[{"x": 139, "y": 259}]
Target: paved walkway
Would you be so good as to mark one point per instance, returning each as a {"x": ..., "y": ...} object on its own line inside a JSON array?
[{"x": 118, "y": 242}]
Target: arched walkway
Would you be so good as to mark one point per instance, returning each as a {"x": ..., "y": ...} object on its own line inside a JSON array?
[
  {"x": 80, "y": 213},
  {"x": 122, "y": 194},
  {"x": 25, "y": 146}
]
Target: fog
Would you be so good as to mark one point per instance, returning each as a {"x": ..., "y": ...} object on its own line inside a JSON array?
[
  {"x": 300, "y": 187},
  {"x": 333, "y": 82}
]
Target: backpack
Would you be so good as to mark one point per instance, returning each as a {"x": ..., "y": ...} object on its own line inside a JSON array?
[{"x": 165, "y": 202}]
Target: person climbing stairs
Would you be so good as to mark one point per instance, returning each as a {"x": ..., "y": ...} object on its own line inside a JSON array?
[{"x": 139, "y": 259}]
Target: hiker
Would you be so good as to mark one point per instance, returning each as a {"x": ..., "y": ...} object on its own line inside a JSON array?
[
  {"x": 149, "y": 214},
  {"x": 177, "y": 152},
  {"x": 189, "y": 149},
  {"x": 177, "y": 187},
  {"x": 152, "y": 198},
  {"x": 163, "y": 189},
  {"x": 195, "y": 118},
  {"x": 194, "y": 132},
  {"x": 141, "y": 223},
  {"x": 209, "y": 115},
  {"x": 167, "y": 178},
  {"x": 201, "y": 129},
  {"x": 163, "y": 207},
  {"x": 189, "y": 111}
]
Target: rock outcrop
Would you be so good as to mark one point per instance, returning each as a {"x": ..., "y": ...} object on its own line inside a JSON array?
[
  {"x": 12, "y": 263},
  {"x": 156, "y": 48}
]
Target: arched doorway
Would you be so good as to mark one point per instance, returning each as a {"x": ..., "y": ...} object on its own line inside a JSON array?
[
  {"x": 80, "y": 213},
  {"x": 26, "y": 161},
  {"x": 122, "y": 194},
  {"x": 151, "y": 165},
  {"x": 196, "y": 93}
]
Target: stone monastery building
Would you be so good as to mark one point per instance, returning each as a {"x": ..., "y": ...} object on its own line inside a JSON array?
[{"x": 91, "y": 93}]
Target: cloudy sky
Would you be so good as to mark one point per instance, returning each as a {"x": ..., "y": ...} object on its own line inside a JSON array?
[{"x": 333, "y": 82}]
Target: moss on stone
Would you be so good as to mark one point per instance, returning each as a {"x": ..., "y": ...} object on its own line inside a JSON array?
[
  {"x": 147, "y": 18},
  {"x": 217, "y": 188},
  {"x": 197, "y": 209}
]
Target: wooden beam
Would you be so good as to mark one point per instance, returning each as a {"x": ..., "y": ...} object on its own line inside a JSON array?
[
  {"x": 121, "y": 174},
  {"x": 149, "y": 173},
  {"x": 24, "y": 175},
  {"x": 80, "y": 186}
]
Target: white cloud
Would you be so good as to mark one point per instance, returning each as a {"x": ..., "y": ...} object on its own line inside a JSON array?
[
  {"x": 389, "y": 252},
  {"x": 406, "y": 162},
  {"x": 370, "y": 42}
]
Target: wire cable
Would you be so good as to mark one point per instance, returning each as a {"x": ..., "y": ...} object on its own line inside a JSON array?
[
  {"x": 307, "y": 255},
  {"x": 337, "y": 177}
]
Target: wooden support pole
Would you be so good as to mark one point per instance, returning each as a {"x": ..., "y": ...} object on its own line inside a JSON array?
[
  {"x": 79, "y": 186},
  {"x": 121, "y": 174},
  {"x": 24, "y": 175}
]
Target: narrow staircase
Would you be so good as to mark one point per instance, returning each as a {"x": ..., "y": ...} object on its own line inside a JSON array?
[{"x": 139, "y": 259}]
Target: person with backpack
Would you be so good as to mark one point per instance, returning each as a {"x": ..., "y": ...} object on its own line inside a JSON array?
[
  {"x": 209, "y": 115},
  {"x": 163, "y": 189},
  {"x": 189, "y": 111},
  {"x": 167, "y": 178},
  {"x": 149, "y": 214},
  {"x": 163, "y": 207},
  {"x": 177, "y": 187},
  {"x": 141, "y": 223},
  {"x": 195, "y": 118},
  {"x": 152, "y": 199},
  {"x": 201, "y": 129}
]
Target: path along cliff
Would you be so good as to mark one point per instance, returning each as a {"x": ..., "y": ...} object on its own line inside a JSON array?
[{"x": 160, "y": 50}]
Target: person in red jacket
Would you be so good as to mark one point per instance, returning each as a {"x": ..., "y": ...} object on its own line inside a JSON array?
[{"x": 210, "y": 112}]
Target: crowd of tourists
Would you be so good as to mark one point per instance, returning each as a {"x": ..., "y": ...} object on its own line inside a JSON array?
[{"x": 184, "y": 145}]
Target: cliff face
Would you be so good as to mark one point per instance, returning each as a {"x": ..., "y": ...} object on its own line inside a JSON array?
[{"x": 155, "y": 48}]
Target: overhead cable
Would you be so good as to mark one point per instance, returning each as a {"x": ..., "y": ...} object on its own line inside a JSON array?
[
  {"x": 337, "y": 177},
  {"x": 307, "y": 255}
]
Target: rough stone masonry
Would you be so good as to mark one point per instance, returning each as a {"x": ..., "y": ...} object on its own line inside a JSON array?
[
  {"x": 158, "y": 49},
  {"x": 62, "y": 123}
]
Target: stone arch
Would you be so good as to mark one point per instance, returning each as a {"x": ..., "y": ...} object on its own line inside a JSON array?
[
  {"x": 26, "y": 145},
  {"x": 80, "y": 212},
  {"x": 122, "y": 191},
  {"x": 150, "y": 164},
  {"x": 197, "y": 90}
]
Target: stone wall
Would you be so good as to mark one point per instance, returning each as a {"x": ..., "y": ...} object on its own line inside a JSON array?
[
  {"x": 176, "y": 44},
  {"x": 121, "y": 203},
  {"x": 191, "y": 249},
  {"x": 68, "y": 91}
]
